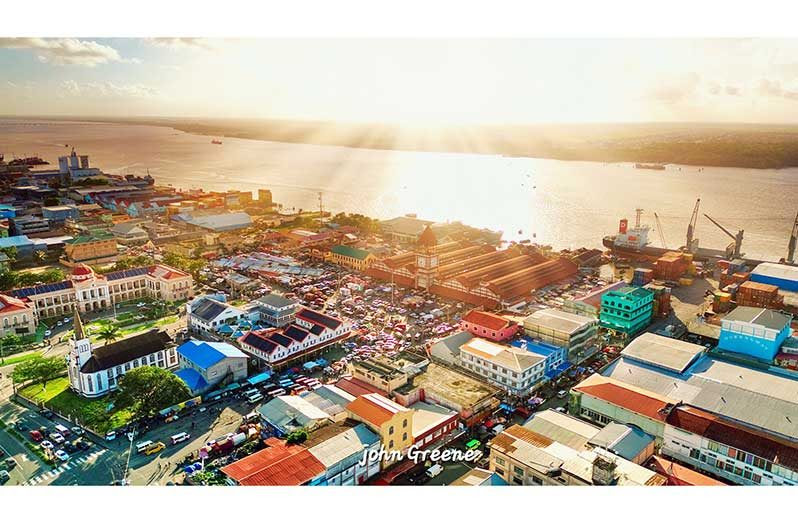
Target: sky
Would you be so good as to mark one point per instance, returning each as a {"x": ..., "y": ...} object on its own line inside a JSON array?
[{"x": 405, "y": 80}]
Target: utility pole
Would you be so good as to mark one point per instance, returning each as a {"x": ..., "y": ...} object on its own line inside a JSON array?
[{"x": 321, "y": 209}]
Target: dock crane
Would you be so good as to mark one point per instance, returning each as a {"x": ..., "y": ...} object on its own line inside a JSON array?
[
  {"x": 659, "y": 229},
  {"x": 691, "y": 244},
  {"x": 793, "y": 241},
  {"x": 733, "y": 250}
]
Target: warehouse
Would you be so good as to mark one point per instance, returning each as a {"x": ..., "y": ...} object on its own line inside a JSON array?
[{"x": 784, "y": 277}]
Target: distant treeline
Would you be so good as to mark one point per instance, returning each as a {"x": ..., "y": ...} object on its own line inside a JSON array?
[{"x": 727, "y": 145}]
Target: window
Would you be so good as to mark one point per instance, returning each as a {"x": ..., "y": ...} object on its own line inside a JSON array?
[
  {"x": 390, "y": 430},
  {"x": 499, "y": 461},
  {"x": 404, "y": 436},
  {"x": 390, "y": 444},
  {"x": 518, "y": 470},
  {"x": 404, "y": 423}
]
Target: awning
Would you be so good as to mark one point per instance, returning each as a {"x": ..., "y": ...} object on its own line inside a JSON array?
[
  {"x": 259, "y": 378},
  {"x": 310, "y": 365},
  {"x": 506, "y": 407},
  {"x": 233, "y": 386}
]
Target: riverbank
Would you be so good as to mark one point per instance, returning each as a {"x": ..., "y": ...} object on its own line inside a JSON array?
[{"x": 751, "y": 146}]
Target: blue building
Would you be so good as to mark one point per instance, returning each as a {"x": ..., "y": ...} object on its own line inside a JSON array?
[
  {"x": 7, "y": 211},
  {"x": 556, "y": 358},
  {"x": 60, "y": 213},
  {"x": 204, "y": 364},
  {"x": 782, "y": 276},
  {"x": 754, "y": 332}
]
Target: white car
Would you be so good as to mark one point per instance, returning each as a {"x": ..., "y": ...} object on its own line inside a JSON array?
[
  {"x": 110, "y": 436},
  {"x": 48, "y": 333},
  {"x": 57, "y": 438},
  {"x": 77, "y": 431},
  {"x": 47, "y": 444},
  {"x": 61, "y": 455}
]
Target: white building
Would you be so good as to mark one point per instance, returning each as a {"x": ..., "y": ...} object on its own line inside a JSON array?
[
  {"x": 16, "y": 316},
  {"x": 207, "y": 313},
  {"x": 95, "y": 371},
  {"x": 564, "y": 329},
  {"x": 515, "y": 370},
  {"x": 91, "y": 292}
]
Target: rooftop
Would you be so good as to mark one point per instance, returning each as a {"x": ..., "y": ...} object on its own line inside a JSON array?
[
  {"x": 765, "y": 317},
  {"x": 566, "y": 429},
  {"x": 277, "y": 465},
  {"x": 275, "y": 301},
  {"x": 205, "y": 354},
  {"x": 375, "y": 409},
  {"x": 453, "y": 387},
  {"x": 508, "y": 357},
  {"x": 558, "y": 320},
  {"x": 479, "y": 478},
  {"x": 350, "y": 252},
  {"x": 661, "y": 351},
  {"x": 123, "y": 351},
  {"x": 679, "y": 474},
  {"x": 486, "y": 319},
  {"x": 777, "y": 270},
  {"x": 427, "y": 416},
  {"x": 629, "y": 398}
]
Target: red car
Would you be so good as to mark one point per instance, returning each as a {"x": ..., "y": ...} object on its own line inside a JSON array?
[{"x": 36, "y": 436}]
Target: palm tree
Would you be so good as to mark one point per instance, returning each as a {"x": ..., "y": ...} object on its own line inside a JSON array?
[{"x": 109, "y": 333}]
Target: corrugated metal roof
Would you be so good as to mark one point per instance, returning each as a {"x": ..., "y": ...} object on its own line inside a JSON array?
[{"x": 661, "y": 351}]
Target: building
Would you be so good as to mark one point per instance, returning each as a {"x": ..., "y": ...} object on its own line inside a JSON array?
[
  {"x": 130, "y": 233},
  {"x": 522, "y": 456},
  {"x": 60, "y": 213},
  {"x": 208, "y": 314},
  {"x": 265, "y": 197},
  {"x": 391, "y": 421},
  {"x": 472, "y": 272},
  {"x": 89, "y": 292},
  {"x": 487, "y": 325},
  {"x": 406, "y": 228},
  {"x": 479, "y": 478},
  {"x": 352, "y": 257},
  {"x": 74, "y": 167},
  {"x": 16, "y": 317},
  {"x": 216, "y": 222},
  {"x": 514, "y": 370},
  {"x": 379, "y": 373},
  {"x": 29, "y": 225},
  {"x": 447, "y": 350},
  {"x": 556, "y": 358},
  {"x": 590, "y": 304},
  {"x": 433, "y": 425},
  {"x": 754, "y": 332},
  {"x": 279, "y": 464},
  {"x": 99, "y": 247},
  {"x": 575, "y": 333},
  {"x": 627, "y": 310},
  {"x": 758, "y": 396},
  {"x": 342, "y": 449},
  {"x": 310, "y": 332},
  {"x": 276, "y": 310},
  {"x": 783, "y": 276},
  {"x": 286, "y": 414},
  {"x": 203, "y": 365},
  {"x": 729, "y": 450},
  {"x": 681, "y": 476},
  {"x": 96, "y": 371}
]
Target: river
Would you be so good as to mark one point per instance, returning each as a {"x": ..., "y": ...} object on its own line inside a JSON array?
[{"x": 560, "y": 203}]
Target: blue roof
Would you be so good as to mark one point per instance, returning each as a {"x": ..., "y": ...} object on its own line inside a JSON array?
[
  {"x": 225, "y": 329},
  {"x": 192, "y": 378},
  {"x": 536, "y": 346},
  {"x": 259, "y": 378},
  {"x": 365, "y": 435},
  {"x": 205, "y": 353},
  {"x": 15, "y": 241}
]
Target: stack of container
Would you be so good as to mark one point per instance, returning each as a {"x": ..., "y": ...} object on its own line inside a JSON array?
[
  {"x": 728, "y": 278},
  {"x": 662, "y": 298},
  {"x": 642, "y": 277},
  {"x": 672, "y": 265},
  {"x": 753, "y": 294},
  {"x": 721, "y": 302},
  {"x": 731, "y": 289}
]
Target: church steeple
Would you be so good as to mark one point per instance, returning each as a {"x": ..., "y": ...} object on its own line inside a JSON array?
[{"x": 80, "y": 333}]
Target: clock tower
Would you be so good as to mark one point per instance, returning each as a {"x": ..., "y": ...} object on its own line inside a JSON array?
[{"x": 426, "y": 259}]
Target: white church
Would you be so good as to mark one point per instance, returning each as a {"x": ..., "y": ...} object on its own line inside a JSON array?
[{"x": 95, "y": 371}]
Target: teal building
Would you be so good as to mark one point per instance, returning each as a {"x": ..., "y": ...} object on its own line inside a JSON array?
[{"x": 627, "y": 310}]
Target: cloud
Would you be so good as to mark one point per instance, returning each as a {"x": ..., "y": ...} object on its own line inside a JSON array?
[
  {"x": 181, "y": 43},
  {"x": 67, "y": 51},
  {"x": 107, "y": 90},
  {"x": 774, "y": 89},
  {"x": 717, "y": 89},
  {"x": 675, "y": 90}
]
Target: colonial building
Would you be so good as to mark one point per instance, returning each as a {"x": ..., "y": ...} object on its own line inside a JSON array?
[
  {"x": 351, "y": 257},
  {"x": 95, "y": 292},
  {"x": 94, "y": 372},
  {"x": 391, "y": 421},
  {"x": 97, "y": 248},
  {"x": 515, "y": 370},
  {"x": 16, "y": 316}
]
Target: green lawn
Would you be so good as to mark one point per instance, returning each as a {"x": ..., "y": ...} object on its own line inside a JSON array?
[
  {"x": 91, "y": 412},
  {"x": 19, "y": 359}
]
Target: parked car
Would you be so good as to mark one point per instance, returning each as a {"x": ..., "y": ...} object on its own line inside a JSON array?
[
  {"x": 61, "y": 455},
  {"x": 56, "y": 438},
  {"x": 46, "y": 413},
  {"x": 36, "y": 436},
  {"x": 155, "y": 448},
  {"x": 561, "y": 394},
  {"x": 77, "y": 431},
  {"x": 110, "y": 436},
  {"x": 10, "y": 463},
  {"x": 4, "y": 476},
  {"x": 47, "y": 444}
]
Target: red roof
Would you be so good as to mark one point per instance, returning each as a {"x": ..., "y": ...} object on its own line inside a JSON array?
[
  {"x": 626, "y": 398},
  {"x": 427, "y": 238},
  {"x": 277, "y": 465},
  {"x": 11, "y": 304},
  {"x": 681, "y": 476},
  {"x": 711, "y": 426},
  {"x": 82, "y": 269},
  {"x": 356, "y": 387},
  {"x": 486, "y": 319},
  {"x": 167, "y": 273},
  {"x": 374, "y": 408}
]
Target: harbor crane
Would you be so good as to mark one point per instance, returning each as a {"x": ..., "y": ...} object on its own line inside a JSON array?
[
  {"x": 659, "y": 230},
  {"x": 733, "y": 250},
  {"x": 691, "y": 244},
  {"x": 793, "y": 241}
]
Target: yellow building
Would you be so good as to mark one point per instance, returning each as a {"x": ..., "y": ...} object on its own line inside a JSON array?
[
  {"x": 351, "y": 257},
  {"x": 99, "y": 247},
  {"x": 393, "y": 423}
]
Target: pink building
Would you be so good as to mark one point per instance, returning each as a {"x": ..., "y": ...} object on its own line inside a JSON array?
[{"x": 489, "y": 326}]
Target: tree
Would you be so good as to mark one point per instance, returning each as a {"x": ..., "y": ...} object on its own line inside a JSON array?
[
  {"x": 11, "y": 339},
  {"x": 109, "y": 333},
  {"x": 39, "y": 369},
  {"x": 297, "y": 436},
  {"x": 147, "y": 390}
]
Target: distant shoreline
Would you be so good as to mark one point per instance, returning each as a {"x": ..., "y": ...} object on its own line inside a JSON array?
[{"x": 749, "y": 146}]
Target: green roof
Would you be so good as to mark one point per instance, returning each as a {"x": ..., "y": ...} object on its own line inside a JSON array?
[
  {"x": 350, "y": 252},
  {"x": 94, "y": 237}
]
